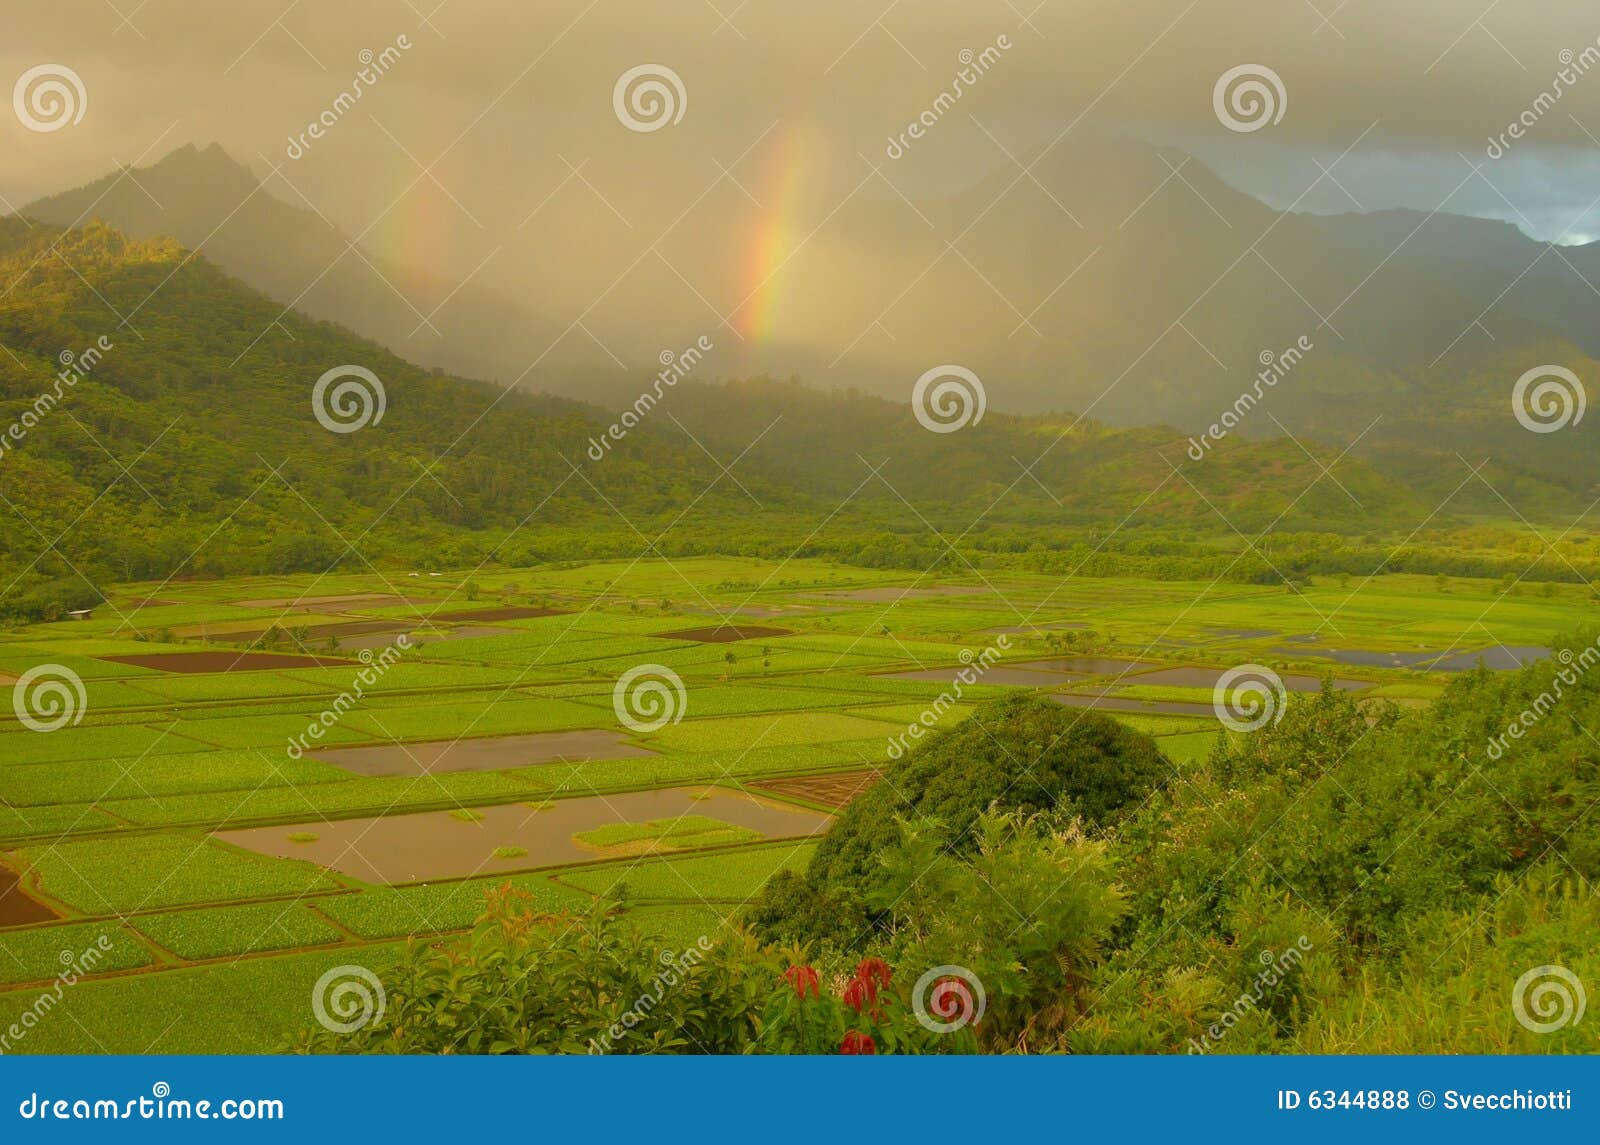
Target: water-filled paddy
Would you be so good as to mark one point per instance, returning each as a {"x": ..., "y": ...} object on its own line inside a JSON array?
[
  {"x": 16, "y": 908},
  {"x": 1498, "y": 657},
  {"x": 1111, "y": 702},
  {"x": 440, "y": 845}
]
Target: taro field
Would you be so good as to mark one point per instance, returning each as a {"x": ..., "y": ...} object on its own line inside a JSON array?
[{"x": 211, "y": 793}]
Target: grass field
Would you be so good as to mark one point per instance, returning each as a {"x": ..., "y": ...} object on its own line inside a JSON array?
[{"x": 109, "y": 824}]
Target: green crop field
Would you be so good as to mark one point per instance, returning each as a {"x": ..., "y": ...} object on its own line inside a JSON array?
[{"x": 111, "y": 824}]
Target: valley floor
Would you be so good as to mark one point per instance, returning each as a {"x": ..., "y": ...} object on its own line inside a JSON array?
[{"x": 212, "y": 793}]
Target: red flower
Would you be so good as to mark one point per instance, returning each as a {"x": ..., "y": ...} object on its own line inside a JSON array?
[
  {"x": 858, "y": 994},
  {"x": 855, "y": 1042},
  {"x": 804, "y": 979},
  {"x": 875, "y": 972}
]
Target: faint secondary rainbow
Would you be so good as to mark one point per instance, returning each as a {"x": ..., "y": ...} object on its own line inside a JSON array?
[{"x": 419, "y": 236}]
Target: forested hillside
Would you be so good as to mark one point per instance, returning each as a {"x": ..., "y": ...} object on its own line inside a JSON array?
[{"x": 184, "y": 443}]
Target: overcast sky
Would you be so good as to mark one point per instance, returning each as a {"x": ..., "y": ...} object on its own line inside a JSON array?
[{"x": 502, "y": 99}]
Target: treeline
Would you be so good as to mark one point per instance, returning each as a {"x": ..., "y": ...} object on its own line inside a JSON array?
[{"x": 255, "y": 543}]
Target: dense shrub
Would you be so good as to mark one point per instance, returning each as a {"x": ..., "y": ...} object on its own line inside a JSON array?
[{"x": 1019, "y": 754}]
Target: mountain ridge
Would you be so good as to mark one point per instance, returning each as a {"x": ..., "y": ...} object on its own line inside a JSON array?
[
  {"x": 1143, "y": 309},
  {"x": 209, "y": 202}
]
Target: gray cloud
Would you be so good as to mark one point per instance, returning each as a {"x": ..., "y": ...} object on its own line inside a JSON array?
[{"x": 491, "y": 147}]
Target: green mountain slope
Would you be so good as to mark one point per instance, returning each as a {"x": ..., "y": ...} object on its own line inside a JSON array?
[
  {"x": 189, "y": 446},
  {"x": 280, "y": 244}
]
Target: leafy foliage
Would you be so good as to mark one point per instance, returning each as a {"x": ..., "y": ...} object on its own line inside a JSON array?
[
  {"x": 1019, "y": 754},
  {"x": 525, "y": 981}
]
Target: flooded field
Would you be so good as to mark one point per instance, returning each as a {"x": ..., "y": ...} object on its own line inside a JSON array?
[
  {"x": 1111, "y": 702},
  {"x": 439, "y": 845},
  {"x": 1498, "y": 657},
  {"x": 16, "y": 908},
  {"x": 497, "y": 754}
]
